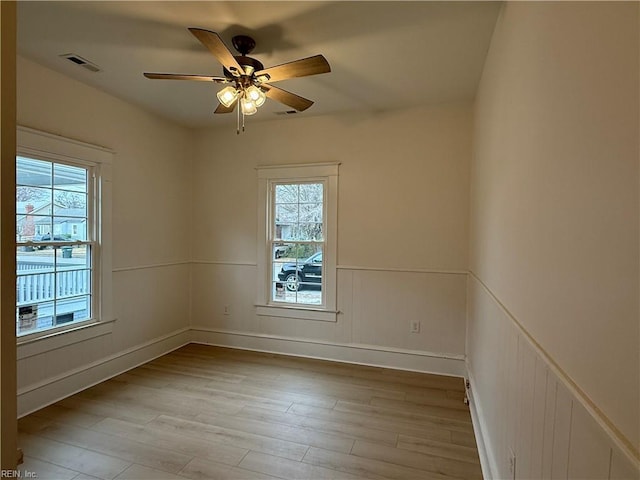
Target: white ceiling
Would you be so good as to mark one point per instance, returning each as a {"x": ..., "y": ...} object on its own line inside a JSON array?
[{"x": 383, "y": 55}]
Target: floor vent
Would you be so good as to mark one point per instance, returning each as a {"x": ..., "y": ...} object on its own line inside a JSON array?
[{"x": 78, "y": 60}]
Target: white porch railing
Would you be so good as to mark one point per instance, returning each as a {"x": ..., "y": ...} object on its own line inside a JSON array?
[{"x": 39, "y": 287}]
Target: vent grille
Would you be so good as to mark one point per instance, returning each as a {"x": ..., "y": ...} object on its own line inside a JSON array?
[
  {"x": 82, "y": 62},
  {"x": 287, "y": 112}
]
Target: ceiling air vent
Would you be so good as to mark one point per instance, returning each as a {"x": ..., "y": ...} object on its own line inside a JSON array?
[
  {"x": 287, "y": 112},
  {"x": 78, "y": 60}
]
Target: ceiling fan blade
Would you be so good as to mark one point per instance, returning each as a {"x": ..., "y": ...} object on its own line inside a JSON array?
[
  {"x": 291, "y": 99},
  {"x": 222, "y": 109},
  {"x": 179, "y": 76},
  {"x": 216, "y": 46},
  {"x": 298, "y": 68}
]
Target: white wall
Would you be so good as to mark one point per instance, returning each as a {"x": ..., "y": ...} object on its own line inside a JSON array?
[
  {"x": 553, "y": 295},
  {"x": 151, "y": 220},
  {"x": 402, "y": 234}
]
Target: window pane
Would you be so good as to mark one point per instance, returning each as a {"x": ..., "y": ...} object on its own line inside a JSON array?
[
  {"x": 33, "y": 172},
  {"x": 69, "y": 178},
  {"x": 35, "y": 287},
  {"x": 69, "y": 204},
  {"x": 286, "y": 213},
  {"x": 311, "y": 212},
  {"x": 286, "y": 193},
  {"x": 73, "y": 309},
  {"x": 73, "y": 283},
  {"x": 69, "y": 228},
  {"x": 281, "y": 250},
  {"x": 33, "y": 317},
  {"x": 311, "y": 193},
  {"x": 37, "y": 197},
  {"x": 31, "y": 260},
  {"x": 300, "y": 279},
  {"x": 306, "y": 231},
  {"x": 73, "y": 257}
]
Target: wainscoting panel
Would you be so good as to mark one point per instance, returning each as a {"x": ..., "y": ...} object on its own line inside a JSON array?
[
  {"x": 524, "y": 407},
  {"x": 376, "y": 307}
]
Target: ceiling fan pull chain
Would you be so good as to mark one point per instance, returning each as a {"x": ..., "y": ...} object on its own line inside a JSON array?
[{"x": 238, "y": 121}]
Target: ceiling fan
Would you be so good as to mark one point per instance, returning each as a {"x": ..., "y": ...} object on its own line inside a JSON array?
[{"x": 249, "y": 82}]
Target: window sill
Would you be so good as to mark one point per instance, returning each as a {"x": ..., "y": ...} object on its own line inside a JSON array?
[
  {"x": 29, "y": 347},
  {"x": 302, "y": 313}
]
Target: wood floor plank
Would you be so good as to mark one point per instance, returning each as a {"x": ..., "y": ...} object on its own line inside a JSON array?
[
  {"x": 193, "y": 371},
  {"x": 140, "y": 472},
  {"x": 437, "y": 398},
  {"x": 129, "y": 412},
  {"x": 333, "y": 390},
  {"x": 199, "y": 469},
  {"x": 280, "y": 448},
  {"x": 118, "y": 447},
  {"x": 277, "y": 392},
  {"x": 160, "y": 400},
  {"x": 289, "y": 469},
  {"x": 186, "y": 444},
  {"x": 396, "y": 414},
  {"x": 434, "y": 430},
  {"x": 138, "y": 377},
  {"x": 366, "y": 468},
  {"x": 429, "y": 463},
  {"x": 457, "y": 411},
  {"x": 466, "y": 439},
  {"x": 281, "y": 431},
  {"x": 72, "y": 457},
  {"x": 32, "y": 424},
  {"x": 439, "y": 449},
  {"x": 336, "y": 427},
  {"x": 61, "y": 414},
  {"x": 228, "y": 365},
  {"x": 232, "y": 398},
  {"x": 42, "y": 469}
]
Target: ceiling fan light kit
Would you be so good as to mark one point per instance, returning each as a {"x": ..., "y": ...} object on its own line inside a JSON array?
[
  {"x": 227, "y": 96},
  {"x": 250, "y": 81}
]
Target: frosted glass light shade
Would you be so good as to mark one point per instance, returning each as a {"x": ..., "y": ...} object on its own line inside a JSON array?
[
  {"x": 248, "y": 106},
  {"x": 227, "y": 96},
  {"x": 257, "y": 95}
]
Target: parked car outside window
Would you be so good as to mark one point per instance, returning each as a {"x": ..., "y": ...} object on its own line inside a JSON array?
[{"x": 296, "y": 275}]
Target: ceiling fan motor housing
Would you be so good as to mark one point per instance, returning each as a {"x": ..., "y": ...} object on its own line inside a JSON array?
[
  {"x": 243, "y": 44},
  {"x": 245, "y": 61}
]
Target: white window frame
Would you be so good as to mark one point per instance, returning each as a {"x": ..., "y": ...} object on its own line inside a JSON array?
[
  {"x": 271, "y": 175},
  {"x": 53, "y": 148}
]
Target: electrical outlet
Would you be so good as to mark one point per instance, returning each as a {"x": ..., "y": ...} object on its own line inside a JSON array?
[
  {"x": 415, "y": 326},
  {"x": 512, "y": 465},
  {"x": 227, "y": 310}
]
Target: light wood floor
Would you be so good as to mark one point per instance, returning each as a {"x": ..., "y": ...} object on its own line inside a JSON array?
[{"x": 212, "y": 413}]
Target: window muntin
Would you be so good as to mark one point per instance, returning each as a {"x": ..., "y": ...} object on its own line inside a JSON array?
[
  {"x": 296, "y": 240},
  {"x": 55, "y": 244}
]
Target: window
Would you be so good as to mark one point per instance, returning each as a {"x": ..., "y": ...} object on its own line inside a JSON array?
[
  {"x": 297, "y": 242},
  {"x": 60, "y": 199},
  {"x": 54, "y": 269},
  {"x": 297, "y": 226}
]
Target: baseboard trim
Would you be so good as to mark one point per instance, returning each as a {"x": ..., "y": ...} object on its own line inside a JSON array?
[
  {"x": 487, "y": 458},
  {"x": 358, "y": 354},
  {"x": 41, "y": 394}
]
